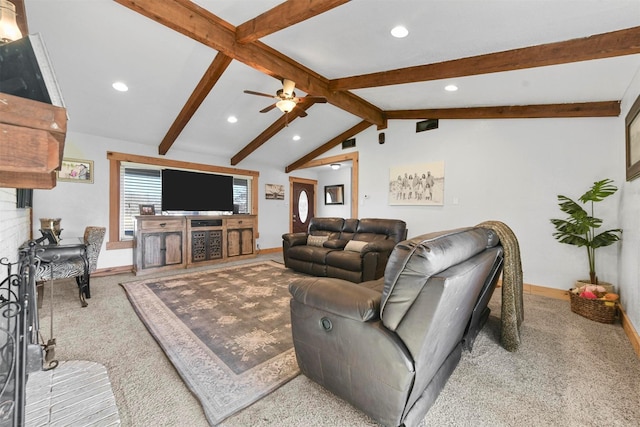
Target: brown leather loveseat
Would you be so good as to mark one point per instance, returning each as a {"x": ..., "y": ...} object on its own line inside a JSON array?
[
  {"x": 352, "y": 249},
  {"x": 388, "y": 346}
]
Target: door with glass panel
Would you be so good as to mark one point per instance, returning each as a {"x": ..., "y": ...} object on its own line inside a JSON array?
[{"x": 303, "y": 206}]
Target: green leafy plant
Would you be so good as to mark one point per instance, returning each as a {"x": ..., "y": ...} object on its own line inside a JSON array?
[{"x": 580, "y": 228}]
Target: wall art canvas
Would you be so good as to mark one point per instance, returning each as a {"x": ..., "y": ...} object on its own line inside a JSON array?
[
  {"x": 274, "y": 191},
  {"x": 76, "y": 170},
  {"x": 418, "y": 184}
]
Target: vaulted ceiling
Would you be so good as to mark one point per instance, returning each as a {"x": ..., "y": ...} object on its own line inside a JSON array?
[{"x": 187, "y": 64}]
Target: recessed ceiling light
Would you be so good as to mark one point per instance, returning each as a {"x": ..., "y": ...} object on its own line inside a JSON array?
[
  {"x": 335, "y": 166},
  {"x": 399, "y": 32},
  {"x": 451, "y": 88},
  {"x": 296, "y": 137},
  {"x": 232, "y": 119},
  {"x": 120, "y": 86}
]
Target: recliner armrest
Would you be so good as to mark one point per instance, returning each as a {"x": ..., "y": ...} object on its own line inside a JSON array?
[
  {"x": 335, "y": 244},
  {"x": 338, "y": 297},
  {"x": 385, "y": 246},
  {"x": 295, "y": 239}
]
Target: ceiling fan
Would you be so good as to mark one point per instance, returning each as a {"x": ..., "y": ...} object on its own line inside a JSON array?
[{"x": 286, "y": 98}]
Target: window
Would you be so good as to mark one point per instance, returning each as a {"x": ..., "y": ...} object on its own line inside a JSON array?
[
  {"x": 136, "y": 180},
  {"x": 141, "y": 187},
  {"x": 240, "y": 195}
]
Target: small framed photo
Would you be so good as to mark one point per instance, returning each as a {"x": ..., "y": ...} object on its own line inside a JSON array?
[
  {"x": 632, "y": 124},
  {"x": 274, "y": 191},
  {"x": 334, "y": 194},
  {"x": 76, "y": 170},
  {"x": 147, "y": 210}
]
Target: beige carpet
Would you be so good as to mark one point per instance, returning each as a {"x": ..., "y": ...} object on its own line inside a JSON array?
[
  {"x": 227, "y": 331},
  {"x": 568, "y": 371}
]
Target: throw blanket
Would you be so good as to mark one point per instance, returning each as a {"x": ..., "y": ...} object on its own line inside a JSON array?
[{"x": 512, "y": 306}]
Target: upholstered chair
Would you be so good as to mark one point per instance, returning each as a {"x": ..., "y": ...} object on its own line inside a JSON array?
[{"x": 63, "y": 264}]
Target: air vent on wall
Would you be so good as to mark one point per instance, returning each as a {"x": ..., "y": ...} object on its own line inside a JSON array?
[
  {"x": 349, "y": 143},
  {"x": 426, "y": 125}
]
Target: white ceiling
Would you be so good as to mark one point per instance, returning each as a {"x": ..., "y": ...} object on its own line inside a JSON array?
[{"x": 93, "y": 43}]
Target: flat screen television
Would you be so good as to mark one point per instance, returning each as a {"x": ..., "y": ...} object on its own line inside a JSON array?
[{"x": 196, "y": 191}]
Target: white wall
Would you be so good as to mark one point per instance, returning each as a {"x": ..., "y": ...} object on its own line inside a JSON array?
[
  {"x": 629, "y": 214},
  {"x": 14, "y": 228},
  {"x": 328, "y": 176}
]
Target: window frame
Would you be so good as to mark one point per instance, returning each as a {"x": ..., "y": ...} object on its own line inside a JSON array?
[{"x": 115, "y": 161}]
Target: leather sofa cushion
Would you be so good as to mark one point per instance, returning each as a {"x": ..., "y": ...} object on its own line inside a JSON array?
[
  {"x": 346, "y": 260},
  {"x": 309, "y": 253},
  {"x": 335, "y": 244},
  {"x": 414, "y": 261}
]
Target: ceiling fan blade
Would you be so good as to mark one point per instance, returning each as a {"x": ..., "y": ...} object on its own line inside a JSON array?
[
  {"x": 269, "y": 108},
  {"x": 250, "y": 92},
  {"x": 317, "y": 99},
  {"x": 288, "y": 86}
]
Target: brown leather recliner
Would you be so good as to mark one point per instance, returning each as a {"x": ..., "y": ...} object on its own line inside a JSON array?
[
  {"x": 388, "y": 346},
  {"x": 351, "y": 249}
]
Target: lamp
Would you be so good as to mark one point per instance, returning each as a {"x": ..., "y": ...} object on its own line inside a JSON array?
[
  {"x": 9, "y": 30},
  {"x": 335, "y": 166},
  {"x": 285, "y": 105}
]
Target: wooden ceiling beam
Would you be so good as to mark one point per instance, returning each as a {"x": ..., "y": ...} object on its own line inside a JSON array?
[
  {"x": 282, "y": 16},
  {"x": 606, "y": 45},
  {"x": 201, "y": 25},
  {"x": 208, "y": 80},
  {"x": 328, "y": 146},
  {"x": 586, "y": 109},
  {"x": 271, "y": 131}
]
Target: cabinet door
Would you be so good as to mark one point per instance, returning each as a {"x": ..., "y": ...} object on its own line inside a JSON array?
[
  {"x": 152, "y": 250},
  {"x": 246, "y": 246},
  {"x": 160, "y": 249},
  {"x": 173, "y": 248},
  {"x": 233, "y": 243}
]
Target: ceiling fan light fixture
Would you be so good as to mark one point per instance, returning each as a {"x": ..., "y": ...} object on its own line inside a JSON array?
[
  {"x": 285, "y": 105},
  {"x": 9, "y": 30},
  {"x": 335, "y": 166}
]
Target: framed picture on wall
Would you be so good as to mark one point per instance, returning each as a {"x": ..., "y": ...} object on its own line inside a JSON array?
[
  {"x": 632, "y": 123},
  {"x": 274, "y": 191},
  {"x": 76, "y": 170},
  {"x": 420, "y": 184},
  {"x": 334, "y": 194}
]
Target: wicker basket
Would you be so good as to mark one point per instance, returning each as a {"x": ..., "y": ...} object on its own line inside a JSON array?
[{"x": 594, "y": 309}]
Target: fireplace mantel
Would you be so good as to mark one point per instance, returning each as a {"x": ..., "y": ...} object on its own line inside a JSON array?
[{"x": 32, "y": 136}]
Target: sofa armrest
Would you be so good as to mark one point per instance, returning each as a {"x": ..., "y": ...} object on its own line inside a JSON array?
[
  {"x": 335, "y": 244},
  {"x": 338, "y": 297},
  {"x": 384, "y": 246},
  {"x": 295, "y": 239}
]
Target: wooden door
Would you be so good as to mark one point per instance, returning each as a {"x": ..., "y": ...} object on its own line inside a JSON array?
[{"x": 303, "y": 204}]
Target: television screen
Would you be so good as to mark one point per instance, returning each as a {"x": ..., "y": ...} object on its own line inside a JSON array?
[{"x": 196, "y": 191}]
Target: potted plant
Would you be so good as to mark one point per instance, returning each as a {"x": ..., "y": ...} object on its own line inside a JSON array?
[{"x": 580, "y": 229}]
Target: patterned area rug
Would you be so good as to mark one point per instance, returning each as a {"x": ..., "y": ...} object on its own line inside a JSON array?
[{"x": 227, "y": 331}]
